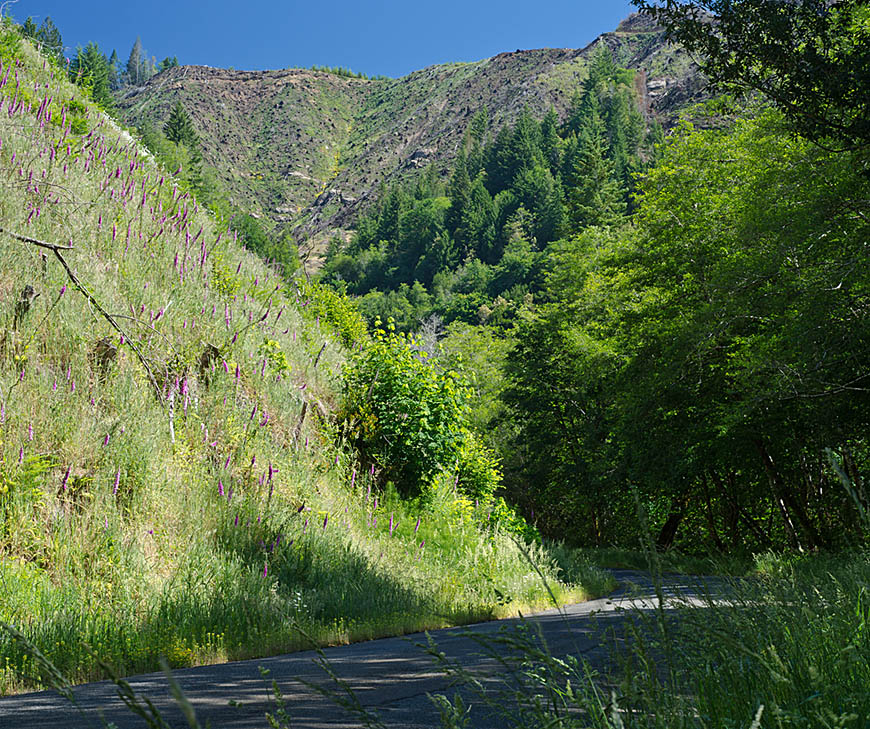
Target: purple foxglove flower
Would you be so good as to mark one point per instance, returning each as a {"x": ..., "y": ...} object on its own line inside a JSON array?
[{"x": 117, "y": 482}]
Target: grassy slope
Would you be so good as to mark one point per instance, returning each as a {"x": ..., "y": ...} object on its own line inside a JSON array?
[{"x": 201, "y": 519}]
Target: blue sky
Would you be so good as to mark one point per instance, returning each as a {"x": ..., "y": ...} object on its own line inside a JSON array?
[{"x": 390, "y": 38}]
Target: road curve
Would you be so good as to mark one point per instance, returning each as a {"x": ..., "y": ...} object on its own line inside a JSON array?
[{"x": 390, "y": 677}]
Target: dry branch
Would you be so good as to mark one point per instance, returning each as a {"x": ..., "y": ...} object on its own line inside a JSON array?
[{"x": 56, "y": 249}]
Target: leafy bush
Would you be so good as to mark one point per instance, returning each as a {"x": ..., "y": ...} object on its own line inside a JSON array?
[
  {"x": 411, "y": 418},
  {"x": 335, "y": 309}
]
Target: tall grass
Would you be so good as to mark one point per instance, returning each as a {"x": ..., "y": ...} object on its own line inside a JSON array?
[
  {"x": 788, "y": 648},
  {"x": 169, "y": 484}
]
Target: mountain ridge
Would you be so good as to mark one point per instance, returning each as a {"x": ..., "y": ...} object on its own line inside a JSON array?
[{"x": 309, "y": 149}]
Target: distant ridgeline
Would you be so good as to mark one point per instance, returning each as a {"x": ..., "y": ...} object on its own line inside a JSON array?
[{"x": 475, "y": 249}]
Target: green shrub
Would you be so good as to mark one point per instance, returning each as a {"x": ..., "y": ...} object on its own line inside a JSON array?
[
  {"x": 334, "y": 309},
  {"x": 411, "y": 418}
]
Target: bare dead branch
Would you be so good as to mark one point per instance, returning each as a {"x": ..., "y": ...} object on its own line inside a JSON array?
[
  {"x": 56, "y": 249},
  {"x": 34, "y": 241}
]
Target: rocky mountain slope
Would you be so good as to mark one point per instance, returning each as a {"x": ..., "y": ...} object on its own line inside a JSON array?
[{"x": 307, "y": 149}]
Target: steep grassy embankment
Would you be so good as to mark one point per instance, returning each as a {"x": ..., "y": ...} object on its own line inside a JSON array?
[{"x": 162, "y": 491}]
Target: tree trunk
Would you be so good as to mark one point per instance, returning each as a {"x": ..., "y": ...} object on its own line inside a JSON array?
[
  {"x": 788, "y": 504},
  {"x": 668, "y": 532},
  {"x": 711, "y": 522}
]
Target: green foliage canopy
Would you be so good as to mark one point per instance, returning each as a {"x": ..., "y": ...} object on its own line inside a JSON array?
[
  {"x": 710, "y": 352},
  {"x": 411, "y": 418},
  {"x": 810, "y": 57}
]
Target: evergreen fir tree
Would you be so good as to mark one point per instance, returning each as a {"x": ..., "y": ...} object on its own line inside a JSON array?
[
  {"x": 498, "y": 174},
  {"x": 114, "y": 73},
  {"x": 179, "y": 127},
  {"x": 458, "y": 190},
  {"x": 90, "y": 69},
  {"x": 52, "y": 43},
  {"x": 477, "y": 130},
  {"x": 29, "y": 28},
  {"x": 476, "y": 231},
  {"x": 550, "y": 143},
  {"x": 594, "y": 196},
  {"x": 524, "y": 150},
  {"x": 601, "y": 68},
  {"x": 134, "y": 63},
  {"x": 391, "y": 211},
  {"x": 575, "y": 114}
]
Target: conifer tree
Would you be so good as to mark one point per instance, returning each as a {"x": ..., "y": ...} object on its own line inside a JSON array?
[
  {"x": 29, "y": 28},
  {"x": 391, "y": 211},
  {"x": 550, "y": 141},
  {"x": 114, "y": 63},
  {"x": 458, "y": 191},
  {"x": 594, "y": 196},
  {"x": 49, "y": 35},
  {"x": 476, "y": 230},
  {"x": 498, "y": 176},
  {"x": 477, "y": 131},
  {"x": 602, "y": 68},
  {"x": 179, "y": 127},
  {"x": 134, "y": 63},
  {"x": 90, "y": 69}
]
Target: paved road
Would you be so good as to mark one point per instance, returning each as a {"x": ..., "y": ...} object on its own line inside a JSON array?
[{"x": 391, "y": 676}]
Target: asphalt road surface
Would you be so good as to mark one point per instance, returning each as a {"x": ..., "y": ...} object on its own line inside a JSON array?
[{"x": 391, "y": 677}]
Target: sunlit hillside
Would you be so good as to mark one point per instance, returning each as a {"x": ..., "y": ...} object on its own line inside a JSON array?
[{"x": 172, "y": 481}]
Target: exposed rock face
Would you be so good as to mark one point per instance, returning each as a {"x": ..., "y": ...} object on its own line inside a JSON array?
[{"x": 306, "y": 149}]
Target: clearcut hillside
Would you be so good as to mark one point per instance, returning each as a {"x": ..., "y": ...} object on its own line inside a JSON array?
[{"x": 308, "y": 149}]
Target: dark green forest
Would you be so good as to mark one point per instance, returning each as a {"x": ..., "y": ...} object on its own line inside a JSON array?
[{"x": 474, "y": 247}]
